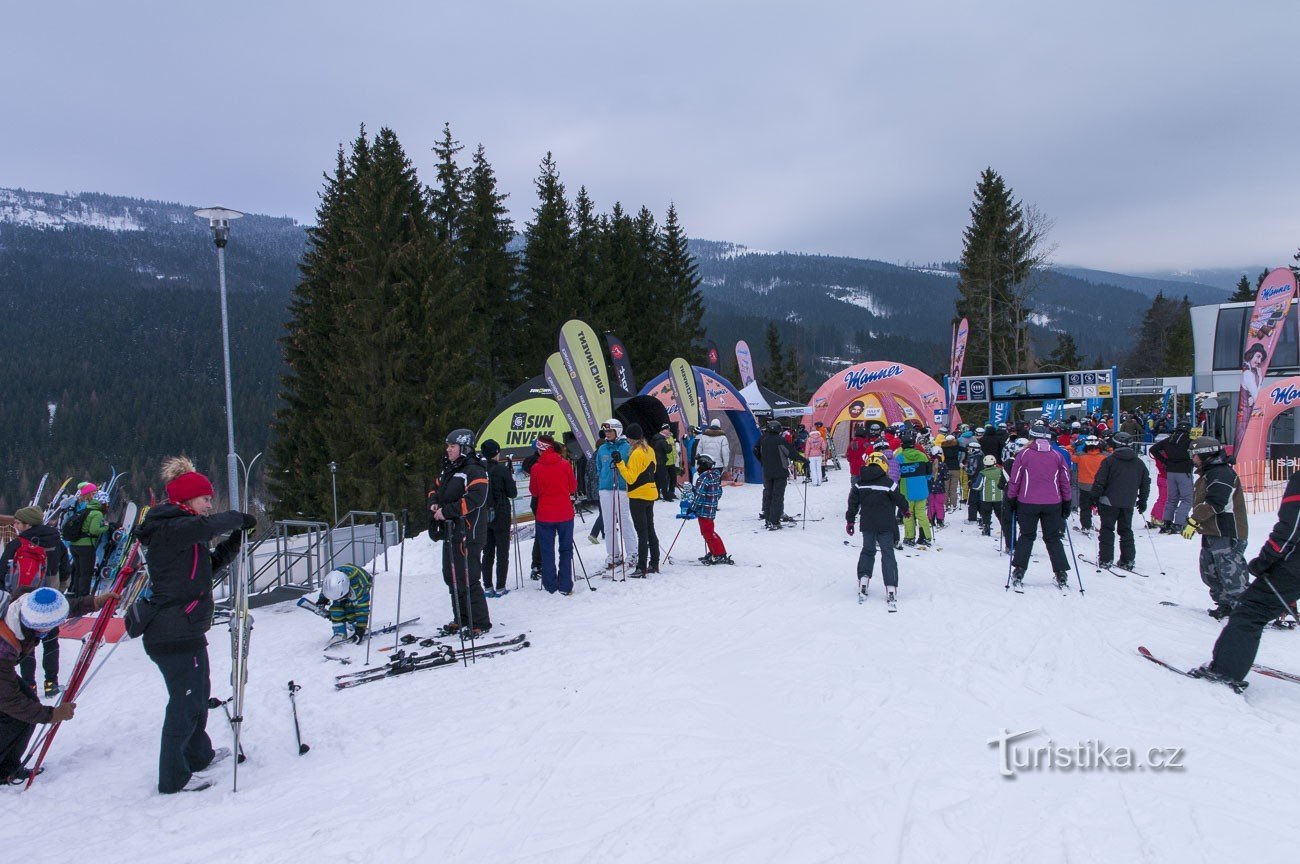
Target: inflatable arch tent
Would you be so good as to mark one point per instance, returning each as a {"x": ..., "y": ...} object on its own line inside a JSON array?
[
  {"x": 723, "y": 402},
  {"x": 1274, "y": 400},
  {"x": 877, "y": 390}
]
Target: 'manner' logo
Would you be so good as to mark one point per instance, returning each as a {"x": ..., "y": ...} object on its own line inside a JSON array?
[
  {"x": 1284, "y": 395},
  {"x": 860, "y": 378}
]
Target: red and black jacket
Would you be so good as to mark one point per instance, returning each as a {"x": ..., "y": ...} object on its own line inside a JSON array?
[
  {"x": 461, "y": 493},
  {"x": 1283, "y": 541}
]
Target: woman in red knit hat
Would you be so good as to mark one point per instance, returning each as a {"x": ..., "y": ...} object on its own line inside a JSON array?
[{"x": 179, "y": 613}]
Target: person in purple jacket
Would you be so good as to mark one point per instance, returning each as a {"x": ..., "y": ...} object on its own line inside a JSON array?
[{"x": 1039, "y": 492}]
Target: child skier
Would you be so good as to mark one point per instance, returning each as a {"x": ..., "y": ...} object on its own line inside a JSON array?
[
  {"x": 347, "y": 591},
  {"x": 1087, "y": 462},
  {"x": 880, "y": 502},
  {"x": 970, "y": 475},
  {"x": 702, "y": 498},
  {"x": 914, "y": 478},
  {"x": 988, "y": 485},
  {"x": 34, "y": 559},
  {"x": 938, "y": 486},
  {"x": 1219, "y": 516}
]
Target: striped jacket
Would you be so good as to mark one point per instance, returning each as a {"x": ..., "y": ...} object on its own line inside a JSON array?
[{"x": 354, "y": 608}]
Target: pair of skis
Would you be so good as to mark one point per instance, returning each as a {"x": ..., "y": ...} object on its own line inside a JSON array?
[
  {"x": 403, "y": 663},
  {"x": 1113, "y": 568}
]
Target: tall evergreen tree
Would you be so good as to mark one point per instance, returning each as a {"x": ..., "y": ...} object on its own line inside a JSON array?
[
  {"x": 1164, "y": 341},
  {"x": 775, "y": 374},
  {"x": 1064, "y": 357},
  {"x": 1178, "y": 360},
  {"x": 546, "y": 284},
  {"x": 487, "y": 274},
  {"x": 447, "y": 195},
  {"x": 685, "y": 304},
  {"x": 1001, "y": 247},
  {"x": 1244, "y": 293}
]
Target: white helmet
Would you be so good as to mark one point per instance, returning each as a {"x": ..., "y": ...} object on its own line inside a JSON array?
[
  {"x": 616, "y": 425},
  {"x": 1022, "y": 443},
  {"x": 336, "y": 585}
]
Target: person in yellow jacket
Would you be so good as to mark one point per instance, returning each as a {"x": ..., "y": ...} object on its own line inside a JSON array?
[{"x": 639, "y": 473}]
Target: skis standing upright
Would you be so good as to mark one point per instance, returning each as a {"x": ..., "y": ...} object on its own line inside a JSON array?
[
  {"x": 40, "y": 487},
  {"x": 241, "y": 627}
]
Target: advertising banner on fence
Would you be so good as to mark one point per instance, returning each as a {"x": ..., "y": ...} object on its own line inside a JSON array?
[
  {"x": 624, "y": 380},
  {"x": 745, "y": 361},
  {"x": 957, "y": 359},
  {"x": 1262, "y": 332}
]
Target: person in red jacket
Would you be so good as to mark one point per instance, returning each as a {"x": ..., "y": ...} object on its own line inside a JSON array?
[
  {"x": 858, "y": 451},
  {"x": 554, "y": 484}
]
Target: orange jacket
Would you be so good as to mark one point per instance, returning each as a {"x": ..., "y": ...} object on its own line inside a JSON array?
[{"x": 1088, "y": 464}]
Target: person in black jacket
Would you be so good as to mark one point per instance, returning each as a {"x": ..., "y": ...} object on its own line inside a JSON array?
[
  {"x": 179, "y": 613},
  {"x": 58, "y": 574},
  {"x": 775, "y": 454},
  {"x": 993, "y": 441},
  {"x": 502, "y": 491},
  {"x": 1275, "y": 590},
  {"x": 1122, "y": 483},
  {"x": 881, "y": 505},
  {"x": 1219, "y": 516},
  {"x": 1173, "y": 453},
  {"x": 665, "y": 474},
  {"x": 459, "y": 511}
]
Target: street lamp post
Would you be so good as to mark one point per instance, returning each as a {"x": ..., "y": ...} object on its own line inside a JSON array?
[
  {"x": 334, "y": 466},
  {"x": 219, "y": 219}
]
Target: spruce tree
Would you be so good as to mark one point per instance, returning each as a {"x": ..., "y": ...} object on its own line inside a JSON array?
[
  {"x": 546, "y": 277},
  {"x": 775, "y": 373},
  {"x": 685, "y": 304},
  {"x": 1244, "y": 293},
  {"x": 1181, "y": 347},
  {"x": 447, "y": 196},
  {"x": 1064, "y": 357},
  {"x": 487, "y": 274},
  {"x": 1001, "y": 247}
]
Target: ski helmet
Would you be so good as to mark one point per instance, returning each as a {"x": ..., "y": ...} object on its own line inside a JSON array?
[
  {"x": 1122, "y": 439},
  {"x": 908, "y": 437},
  {"x": 879, "y": 444},
  {"x": 1040, "y": 430},
  {"x": 463, "y": 437},
  {"x": 974, "y": 445},
  {"x": 614, "y": 424},
  {"x": 1021, "y": 443},
  {"x": 878, "y": 459},
  {"x": 990, "y": 429},
  {"x": 704, "y": 462},
  {"x": 336, "y": 585},
  {"x": 936, "y": 450},
  {"x": 774, "y": 426},
  {"x": 1092, "y": 441},
  {"x": 1205, "y": 446},
  {"x": 989, "y": 461}
]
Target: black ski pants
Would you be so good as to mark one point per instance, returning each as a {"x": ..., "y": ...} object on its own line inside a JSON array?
[
  {"x": 666, "y": 480},
  {"x": 1115, "y": 519},
  {"x": 643, "y": 520},
  {"x": 1235, "y": 650},
  {"x": 884, "y": 542},
  {"x": 496, "y": 550},
  {"x": 49, "y": 660},
  {"x": 14, "y": 735},
  {"x": 1028, "y": 518},
  {"x": 83, "y": 559},
  {"x": 974, "y": 506},
  {"x": 1086, "y": 502},
  {"x": 186, "y": 747},
  {"x": 774, "y": 499},
  {"x": 463, "y": 559}
]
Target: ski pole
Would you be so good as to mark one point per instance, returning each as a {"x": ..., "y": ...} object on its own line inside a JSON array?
[
  {"x": 668, "y": 559},
  {"x": 1152, "y": 540},
  {"x": 1074, "y": 558},
  {"x": 1280, "y": 598},
  {"x": 578, "y": 555},
  {"x": 469, "y": 595},
  {"x": 401, "y": 565},
  {"x": 1011, "y": 552},
  {"x": 514, "y": 532},
  {"x": 804, "y": 526},
  {"x": 619, "y": 540},
  {"x": 297, "y": 732}
]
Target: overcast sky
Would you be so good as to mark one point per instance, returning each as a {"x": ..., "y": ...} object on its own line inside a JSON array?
[{"x": 1154, "y": 134}]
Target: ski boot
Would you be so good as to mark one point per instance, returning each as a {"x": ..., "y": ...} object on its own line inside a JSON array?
[
  {"x": 1018, "y": 579},
  {"x": 1127, "y": 565},
  {"x": 451, "y": 628},
  {"x": 1207, "y": 673},
  {"x": 707, "y": 559},
  {"x": 722, "y": 559},
  {"x": 908, "y": 542},
  {"x": 891, "y": 601},
  {"x": 986, "y": 531},
  {"x": 1282, "y": 622},
  {"x": 535, "y": 574},
  {"x": 52, "y": 687},
  {"x": 922, "y": 543},
  {"x": 21, "y": 776},
  {"x": 1219, "y": 612},
  {"x": 898, "y": 546},
  {"x": 1063, "y": 579},
  {"x": 789, "y": 519}
]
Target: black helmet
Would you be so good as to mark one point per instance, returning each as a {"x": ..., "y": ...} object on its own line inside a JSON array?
[
  {"x": 704, "y": 462},
  {"x": 990, "y": 429},
  {"x": 1183, "y": 427},
  {"x": 774, "y": 426},
  {"x": 1122, "y": 439},
  {"x": 1040, "y": 430},
  {"x": 463, "y": 437},
  {"x": 908, "y": 437},
  {"x": 1205, "y": 446}
]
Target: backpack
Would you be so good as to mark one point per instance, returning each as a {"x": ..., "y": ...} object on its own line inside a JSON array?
[
  {"x": 72, "y": 529},
  {"x": 29, "y": 562}
]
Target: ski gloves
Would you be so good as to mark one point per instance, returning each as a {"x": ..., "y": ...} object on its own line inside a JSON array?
[
  {"x": 1260, "y": 566},
  {"x": 848, "y": 528},
  {"x": 1190, "y": 530}
]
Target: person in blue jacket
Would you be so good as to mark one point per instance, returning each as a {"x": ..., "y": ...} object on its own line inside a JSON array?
[{"x": 620, "y": 538}]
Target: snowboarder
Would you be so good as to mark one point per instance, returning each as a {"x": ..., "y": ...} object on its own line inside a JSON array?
[
  {"x": 34, "y": 559},
  {"x": 502, "y": 491},
  {"x": 638, "y": 471},
  {"x": 914, "y": 480},
  {"x": 1038, "y": 493},
  {"x": 1275, "y": 589},
  {"x": 459, "y": 518},
  {"x": 1219, "y": 516},
  {"x": 25, "y": 621},
  {"x": 877, "y": 498},
  {"x": 179, "y": 613},
  {"x": 554, "y": 484},
  {"x": 702, "y": 499},
  {"x": 1122, "y": 483},
  {"x": 346, "y": 590}
]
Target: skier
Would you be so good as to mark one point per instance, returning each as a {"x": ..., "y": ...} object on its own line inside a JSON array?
[
  {"x": 953, "y": 455},
  {"x": 858, "y": 451},
  {"x": 988, "y": 488},
  {"x": 775, "y": 454},
  {"x": 815, "y": 451},
  {"x": 1088, "y": 462},
  {"x": 702, "y": 500},
  {"x": 1219, "y": 516},
  {"x": 880, "y": 503},
  {"x": 1038, "y": 493},
  {"x": 82, "y": 532},
  {"x": 937, "y": 506},
  {"x": 25, "y": 621},
  {"x": 638, "y": 471},
  {"x": 614, "y": 512},
  {"x": 346, "y": 591},
  {"x": 993, "y": 442},
  {"x": 34, "y": 559},
  {"x": 974, "y": 464},
  {"x": 1274, "y": 591},
  {"x": 1122, "y": 483},
  {"x": 1173, "y": 451},
  {"x": 502, "y": 491},
  {"x": 459, "y": 518},
  {"x": 179, "y": 612},
  {"x": 714, "y": 444},
  {"x": 1157, "y": 517},
  {"x": 914, "y": 478},
  {"x": 554, "y": 484}
]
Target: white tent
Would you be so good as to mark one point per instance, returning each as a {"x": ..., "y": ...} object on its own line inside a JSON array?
[{"x": 763, "y": 401}]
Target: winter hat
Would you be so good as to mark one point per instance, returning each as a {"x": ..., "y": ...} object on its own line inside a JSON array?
[
  {"x": 634, "y": 432},
  {"x": 544, "y": 443},
  {"x": 86, "y": 489},
  {"x": 715, "y": 423},
  {"x": 489, "y": 449},
  {"x": 30, "y": 516},
  {"x": 182, "y": 481},
  {"x": 43, "y": 609}
]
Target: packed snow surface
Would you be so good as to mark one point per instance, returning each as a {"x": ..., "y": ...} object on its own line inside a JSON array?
[{"x": 713, "y": 714}]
